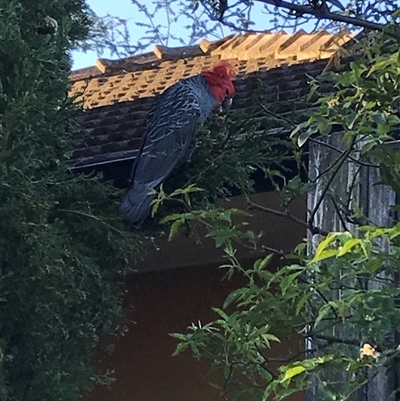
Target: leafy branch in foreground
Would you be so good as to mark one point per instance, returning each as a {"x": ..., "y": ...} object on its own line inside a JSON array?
[
  {"x": 298, "y": 299},
  {"x": 342, "y": 298}
]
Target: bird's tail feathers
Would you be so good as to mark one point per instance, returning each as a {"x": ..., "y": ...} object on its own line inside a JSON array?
[{"x": 135, "y": 206}]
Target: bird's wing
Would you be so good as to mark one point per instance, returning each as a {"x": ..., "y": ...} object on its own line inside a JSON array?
[{"x": 171, "y": 127}]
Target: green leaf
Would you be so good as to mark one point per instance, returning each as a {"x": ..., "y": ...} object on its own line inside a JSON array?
[
  {"x": 171, "y": 217},
  {"x": 325, "y": 254},
  {"x": 292, "y": 372},
  {"x": 174, "y": 229},
  {"x": 226, "y": 216},
  {"x": 323, "y": 313},
  {"x": 378, "y": 66},
  {"x": 270, "y": 337},
  {"x": 324, "y": 127},
  {"x": 368, "y": 146},
  {"x": 298, "y": 128},
  {"x": 179, "y": 336},
  {"x": 260, "y": 264},
  {"x": 288, "y": 280},
  {"x": 348, "y": 246},
  {"x": 185, "y": 191},
  {"x": 321, "y": 252},
  {"x": 180, "y": 348},
  {"x": 233, "y": 296},
  {"x": 302, "y": 301},
  {"x": 221, "y": 313},
  {"x": 303, "y": 137},
  {"x": 379, "y": 118},
  {"x": 221, "y": 235},
  {"x": 239, "y": 212}
]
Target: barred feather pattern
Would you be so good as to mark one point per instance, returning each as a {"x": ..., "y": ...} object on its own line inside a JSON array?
[{"x": 167, "y": 141}]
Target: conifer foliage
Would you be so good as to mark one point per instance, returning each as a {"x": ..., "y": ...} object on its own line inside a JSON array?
[{"x": 62, "y": 247}]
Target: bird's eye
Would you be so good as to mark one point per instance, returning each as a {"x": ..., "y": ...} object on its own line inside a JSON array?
[{"x": 227, "y": 92}]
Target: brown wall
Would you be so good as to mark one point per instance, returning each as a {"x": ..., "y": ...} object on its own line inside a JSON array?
[
  {"x": 168, "y": 298},
  {"x": 166, "y": 302}
]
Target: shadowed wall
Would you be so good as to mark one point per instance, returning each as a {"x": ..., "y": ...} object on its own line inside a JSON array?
[{"x": 167, "y": 298}]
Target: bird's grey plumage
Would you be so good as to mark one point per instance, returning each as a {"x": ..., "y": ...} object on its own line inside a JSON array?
[{"x": 168, "y": 139}]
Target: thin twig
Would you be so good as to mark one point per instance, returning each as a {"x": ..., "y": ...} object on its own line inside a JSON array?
[
  {"x": 329, "y": 168},
  {"x": 321, "y": 295},
  {"x": 291, "y": 357},
  {"x": 324, "y": 13},
  {"x": 333, "y": 340},
  {"x": 91, "y": 216},
  {"x": 343, "y": 158},
  {"x": 338, "y": 212},
  {"x": 363, "y": 383},
  {"x": 276, "y": 117},
  {"x": 328, "y": 145},
  {"x": 287, "y": 214},
  {"x": 276, "y": 252},
  {"x": 310, "y": 322}
]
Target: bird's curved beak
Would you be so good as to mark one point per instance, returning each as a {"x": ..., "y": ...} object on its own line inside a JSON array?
[
  {"x": 224, "y": 106},
  {"x": 226, "y": 103}
]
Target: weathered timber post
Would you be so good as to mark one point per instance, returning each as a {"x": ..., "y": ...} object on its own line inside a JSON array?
[{"x": 351, "y": 183}]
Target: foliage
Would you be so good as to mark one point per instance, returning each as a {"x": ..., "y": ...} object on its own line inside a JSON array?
[
  {"x": 62, "y": 248},
  {"x": 340, "y": 296}
]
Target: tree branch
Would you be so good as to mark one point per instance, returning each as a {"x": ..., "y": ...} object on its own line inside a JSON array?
[
  {"x": 339, "y": 214},
  {"x": 290, "y": 358},
  {"x": 302, "y": 279},
  {"x": 333, "y": 340},
  {"x": 353, "y": 159},
  {"x": 324, "y": 13},
  {"x": 287, "y": 214},
  {"x": 342, "y": 158}
]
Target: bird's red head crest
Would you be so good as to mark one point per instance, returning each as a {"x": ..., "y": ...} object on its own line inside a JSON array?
[{"x": 219, "y": 79}]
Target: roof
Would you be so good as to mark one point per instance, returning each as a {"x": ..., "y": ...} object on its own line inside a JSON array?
[{"x": 117, "y": 94}]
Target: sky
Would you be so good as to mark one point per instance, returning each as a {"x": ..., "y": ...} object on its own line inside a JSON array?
[
  {"x": 119, "y": 8},
  {"x": 126, "y": 10}
]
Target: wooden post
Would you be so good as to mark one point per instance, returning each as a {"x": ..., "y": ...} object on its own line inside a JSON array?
[{"x": 354, "y": 184}]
